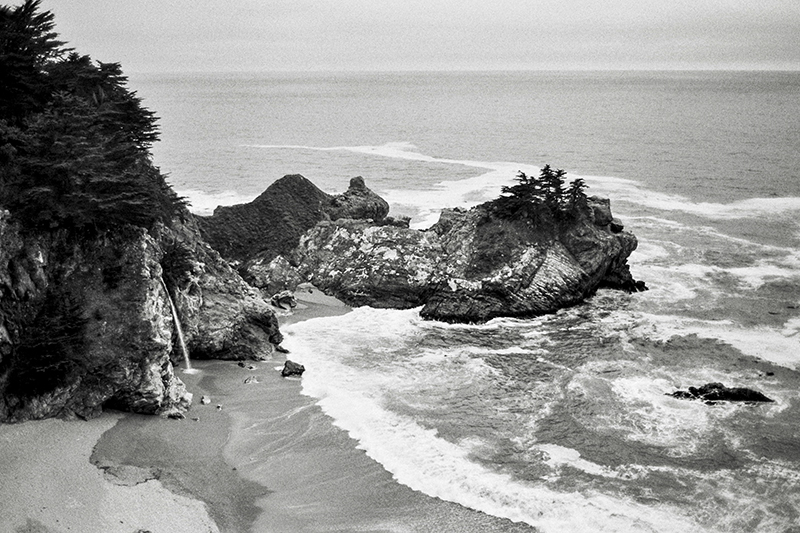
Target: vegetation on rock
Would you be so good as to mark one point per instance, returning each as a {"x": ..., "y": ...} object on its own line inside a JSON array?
[
  {"x": 74, "y": 140},
  {"x": 542, "y": 199}
]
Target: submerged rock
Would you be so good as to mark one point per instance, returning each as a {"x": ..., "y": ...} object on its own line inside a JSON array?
[{"x": 717, "y": 392}]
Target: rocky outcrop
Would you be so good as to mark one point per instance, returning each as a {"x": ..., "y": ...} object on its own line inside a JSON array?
[
  {"x": 85, "y": 323},
  {"x": 271, "y": 225},
  {"x": 357, "y": 202},
  {"x": 472, "y": 265},
  {"x": 223, "y": 317},
  {"x": 712, "y": 393}
]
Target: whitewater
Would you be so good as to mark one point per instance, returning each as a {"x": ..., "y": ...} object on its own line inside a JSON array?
[
  {"x": 563, "y": 422},
  {"x": 560, "y": 423}
]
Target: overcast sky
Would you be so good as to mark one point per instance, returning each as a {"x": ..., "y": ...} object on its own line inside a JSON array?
[{"x": 260, "y": 35}]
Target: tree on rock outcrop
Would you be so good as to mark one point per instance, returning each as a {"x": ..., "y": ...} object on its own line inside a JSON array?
[{"x": 542, "y": 198}]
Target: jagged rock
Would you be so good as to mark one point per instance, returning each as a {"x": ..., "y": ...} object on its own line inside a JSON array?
[
  {"x": 205, "y": 400},
  {"x": 717, "y": 392},
  {"x": 272, "y": 224},
  {"x": 284, "y": 300},
  {"x": 103, "y": 303},
  {"x": 601, "y": 210},
  {"x": 290, "y": 368},
  {"x": 357, "y": 202},
  {"x": 85, "y": 325},
  {"x": 174, "y": 414},
  {"x": 469, "y": 267},
  {"x": 223, "y": 316}
]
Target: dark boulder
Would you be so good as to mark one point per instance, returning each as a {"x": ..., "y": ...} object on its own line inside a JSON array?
[
  {"x": 272, "y": 224},
  {"x": 290, "y": 368},
  {"x": 717, "y": 392}
]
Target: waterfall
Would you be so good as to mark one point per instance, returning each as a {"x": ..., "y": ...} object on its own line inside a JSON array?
[{"x": 177, "y": 326}]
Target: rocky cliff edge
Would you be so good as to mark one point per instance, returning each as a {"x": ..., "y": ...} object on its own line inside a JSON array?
[{"x": 86, "y": 323}]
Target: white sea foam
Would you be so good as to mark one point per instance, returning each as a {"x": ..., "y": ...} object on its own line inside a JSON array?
[
  {"x": 632, "y": 191},
  {"x": 559, "y": 455},
  {"x": 353, "y": 389},
  {"x": 779, "y": 346},
  {"x": 465, "y": 193},
  {"x": 204, "y": 203}
]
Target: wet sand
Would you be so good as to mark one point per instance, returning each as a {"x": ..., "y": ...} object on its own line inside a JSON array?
[{"x": 48, "y": 485}]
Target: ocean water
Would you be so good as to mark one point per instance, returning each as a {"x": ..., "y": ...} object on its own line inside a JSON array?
[{"x": 561, "y": 423}]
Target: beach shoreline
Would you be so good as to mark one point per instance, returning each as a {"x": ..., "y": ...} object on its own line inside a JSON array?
[
  {"x": 123, "y": 472},
  {"x": 257, "y": 456}
]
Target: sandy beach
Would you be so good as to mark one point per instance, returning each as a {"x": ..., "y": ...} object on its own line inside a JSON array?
[{"x": 258, "y": 457}]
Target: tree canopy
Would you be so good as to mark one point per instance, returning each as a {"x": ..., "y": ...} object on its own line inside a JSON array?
[
  {"x": 542, "y": 198},
  {"x": 74, "y": 140}
]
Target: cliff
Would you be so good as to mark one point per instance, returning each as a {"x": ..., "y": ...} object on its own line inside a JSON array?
[
  {"x": 472, "y": 265},
  {"x": 85, "y": 323},
  {"x": 94, "y": 244}
]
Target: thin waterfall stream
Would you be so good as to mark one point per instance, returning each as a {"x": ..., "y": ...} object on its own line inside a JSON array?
[{"x": 177, "y": 326}]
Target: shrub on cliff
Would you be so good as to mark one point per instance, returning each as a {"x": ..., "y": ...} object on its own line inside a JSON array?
[{"x": 74, "y": 141}]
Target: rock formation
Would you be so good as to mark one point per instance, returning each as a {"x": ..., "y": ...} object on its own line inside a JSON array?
[
  {"x": 290, "y": 368},
  {"x": 271, "y": 225},
  {"x": 85, "y": 323},
  {"x": 472, "y": 265},
  {"x": 711, "y": 393}
]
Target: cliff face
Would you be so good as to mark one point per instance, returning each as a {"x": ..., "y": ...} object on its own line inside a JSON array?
[
  {"x": 83, "y": 324},
  {"x": 223, "y": 316},
  {"x": 470, "y": 266},
  {"x": 86, "y": 323}
]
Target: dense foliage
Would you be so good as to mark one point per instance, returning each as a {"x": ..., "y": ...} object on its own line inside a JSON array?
[
  {"x": 543, "y": 199},
  {"x": 74, "y": 141}
]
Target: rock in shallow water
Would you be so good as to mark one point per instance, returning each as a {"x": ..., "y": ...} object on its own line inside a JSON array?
[
  {"x": 717, "y": 392},
  {"x": 471, "y": 266},
  {"x": 290, "y": 368}
]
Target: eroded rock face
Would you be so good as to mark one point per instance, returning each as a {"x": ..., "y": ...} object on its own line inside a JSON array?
[
  {"x": 357, "y": 202},
  {"x": 86, "y": 323},
  {"x": 470, "y": 266},
  {"x": 223, "y": 316}
]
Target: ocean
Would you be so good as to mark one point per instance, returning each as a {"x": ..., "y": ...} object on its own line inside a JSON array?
[{"x": 560, "y": 423}]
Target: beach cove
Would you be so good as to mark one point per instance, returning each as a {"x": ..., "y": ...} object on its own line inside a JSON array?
[{"x": 128, "y": 473}]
